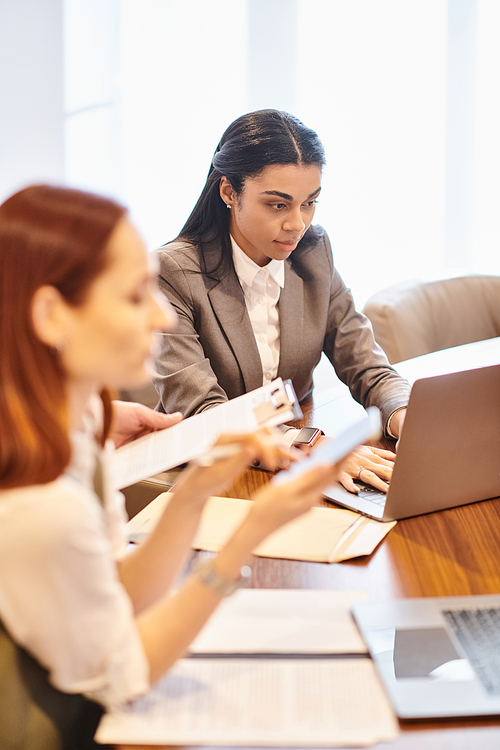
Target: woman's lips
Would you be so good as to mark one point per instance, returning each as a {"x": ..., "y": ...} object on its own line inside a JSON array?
[{"x": 287, "y": 247}]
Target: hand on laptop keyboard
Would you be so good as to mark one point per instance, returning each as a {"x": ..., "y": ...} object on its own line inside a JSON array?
[{"x": 372, "y": 466}]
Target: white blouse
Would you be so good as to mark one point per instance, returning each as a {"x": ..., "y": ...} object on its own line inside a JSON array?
[
  {"x": 261, "y": 288},
  {"x": 60, "y": 594}
]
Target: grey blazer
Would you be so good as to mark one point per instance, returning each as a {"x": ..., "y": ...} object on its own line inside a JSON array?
[{"x": 212, "y": 354}]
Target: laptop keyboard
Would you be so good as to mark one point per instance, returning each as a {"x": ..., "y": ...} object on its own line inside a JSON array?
[
  {"x": 371, "y": 494},
  {"x": 478, "y": 631}
]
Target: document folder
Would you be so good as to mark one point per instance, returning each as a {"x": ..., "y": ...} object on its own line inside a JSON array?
[{"x": 268, "y": 406}]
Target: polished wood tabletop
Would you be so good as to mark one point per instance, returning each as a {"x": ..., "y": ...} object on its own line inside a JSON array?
[{"x": 450, "y": 553}]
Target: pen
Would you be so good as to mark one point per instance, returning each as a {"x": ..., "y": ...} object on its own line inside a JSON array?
[{"x": 217, "y": 453}]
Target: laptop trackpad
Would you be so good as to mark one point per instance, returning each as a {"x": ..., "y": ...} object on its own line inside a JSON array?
[{"x": 417, "y": 653}]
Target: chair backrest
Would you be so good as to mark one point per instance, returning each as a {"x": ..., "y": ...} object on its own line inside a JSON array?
[
  {"x": 417, "y": 317},
  {"x": 34, "y": 715}
]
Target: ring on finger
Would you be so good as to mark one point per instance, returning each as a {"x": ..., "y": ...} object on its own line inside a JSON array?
[{"x": 361, "y": 468}]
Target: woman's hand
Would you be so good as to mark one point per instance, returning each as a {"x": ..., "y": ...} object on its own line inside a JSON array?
[
  {"x": 370, "y": 465},
  {"x": 276, "y": 505},
  {"x": 131, "y": 421},
  {"x": 233, "y": 454}
]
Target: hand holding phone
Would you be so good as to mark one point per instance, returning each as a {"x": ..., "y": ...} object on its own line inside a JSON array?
[{"x": 333, "y": 451}]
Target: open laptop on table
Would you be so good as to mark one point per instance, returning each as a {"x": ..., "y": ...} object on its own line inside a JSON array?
[
  {"x": 448, "y": 454},
  {"x": 437, "y": 657}
]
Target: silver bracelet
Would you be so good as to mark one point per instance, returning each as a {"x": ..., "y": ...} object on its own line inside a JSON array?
[{"x": 207, "y": 575}]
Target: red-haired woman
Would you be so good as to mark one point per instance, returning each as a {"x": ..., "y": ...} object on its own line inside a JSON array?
[{"x": 77, "y": 315}]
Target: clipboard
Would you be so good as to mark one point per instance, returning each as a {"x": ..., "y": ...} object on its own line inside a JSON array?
[
  {"x": 268, "y": 406},
  {"x": 281, "y": 399}
]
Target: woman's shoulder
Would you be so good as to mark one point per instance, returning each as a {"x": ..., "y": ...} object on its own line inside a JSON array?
[
  {"x": 203, "y": 259},
  {"x": 178, "y": 248},
  {"x": 180, "y": 255},
  {"x": 180, "y": 244},
  {"x": 38, "y": 494},
  {"x": 47, "y": 511}
]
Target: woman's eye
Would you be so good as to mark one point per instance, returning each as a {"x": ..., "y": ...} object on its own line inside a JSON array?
[
  {"x": 311, "y": 204},
  {"x": 278, "y": 206},
  {"x": 138, "y": 297}
]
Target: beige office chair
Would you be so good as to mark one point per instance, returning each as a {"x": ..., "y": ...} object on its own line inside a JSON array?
[{"x": 417, "y": 317}]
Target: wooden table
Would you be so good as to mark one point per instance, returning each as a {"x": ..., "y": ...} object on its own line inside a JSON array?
[{"x": 454, "y": 552}]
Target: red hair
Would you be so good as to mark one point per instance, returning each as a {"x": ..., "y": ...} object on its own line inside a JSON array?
[{"x": 54, "y": 236}]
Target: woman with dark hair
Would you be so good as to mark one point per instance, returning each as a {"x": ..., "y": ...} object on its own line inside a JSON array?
[
  {"x": 256, "y": 291},
  {"x": 79, "y": 619}
]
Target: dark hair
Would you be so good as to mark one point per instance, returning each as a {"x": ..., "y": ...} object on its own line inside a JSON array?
[
  {"x": 250, "y": 144},
  {"x": 56, "y": 236}
]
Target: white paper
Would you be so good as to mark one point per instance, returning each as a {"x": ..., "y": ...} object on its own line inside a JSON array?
[
  {"x": 324, "y": 702},
  {"x": 161, "y": 450},
  {"x": 283, "y": 621}
]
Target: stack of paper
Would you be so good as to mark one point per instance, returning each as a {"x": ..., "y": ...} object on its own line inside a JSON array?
[
  {"x": 315, "y": 697},
  {"x": 283, "y": 621},
  {"x": 252, "y": 702}
]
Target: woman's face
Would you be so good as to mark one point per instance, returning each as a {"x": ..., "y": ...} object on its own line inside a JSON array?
[
  {"x": 273, "y": 211},
  {"x": 108, "y": 339}
]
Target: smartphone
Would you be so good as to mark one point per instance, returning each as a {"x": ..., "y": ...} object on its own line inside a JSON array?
[{"x": 332, "y": 451}]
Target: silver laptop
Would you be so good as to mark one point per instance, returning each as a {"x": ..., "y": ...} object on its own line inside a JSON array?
[
  {"x": 437, "y": 658},
  {"x": 448, "y": 454}
]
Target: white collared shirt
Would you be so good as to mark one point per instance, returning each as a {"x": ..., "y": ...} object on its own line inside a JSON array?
[
  {"x": 60, "y": 593},
  {"x": 262, "y": 287}
]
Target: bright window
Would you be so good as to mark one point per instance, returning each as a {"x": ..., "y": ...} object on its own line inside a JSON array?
[{"x": 152, "y": 85}]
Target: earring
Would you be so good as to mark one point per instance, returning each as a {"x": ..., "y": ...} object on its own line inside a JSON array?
[{"x": 228, "y": 205}]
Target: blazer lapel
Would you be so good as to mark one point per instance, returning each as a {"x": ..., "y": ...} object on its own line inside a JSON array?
[
  {"x": 228, "y": 304},
  {"x": 291, "y": 310}
]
